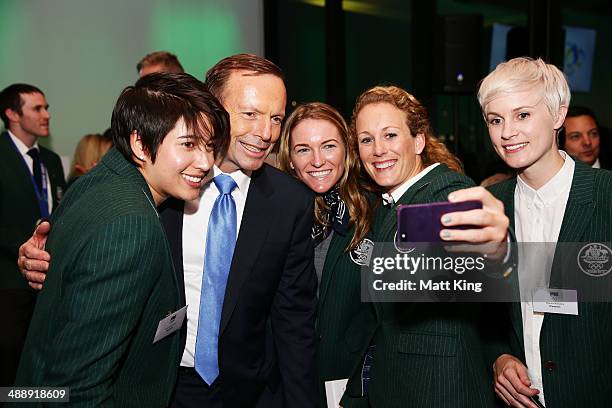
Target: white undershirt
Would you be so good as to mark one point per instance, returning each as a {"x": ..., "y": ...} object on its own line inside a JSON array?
[
  {"x": 23, "y": 149},
  {"x": 195, "y": 228},
  {"x": 538, "y": 217},
  {"x": 597, "y": 164}
]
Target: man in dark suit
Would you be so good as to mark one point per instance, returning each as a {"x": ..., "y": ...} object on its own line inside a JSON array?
[
  {"x": 559, "y": 356},
  {"x": 251, "y": 327},
  {"x": 31, "y": 183}
]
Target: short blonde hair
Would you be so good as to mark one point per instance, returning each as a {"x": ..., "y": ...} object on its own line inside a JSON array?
[{"x": 524, "y": 74}]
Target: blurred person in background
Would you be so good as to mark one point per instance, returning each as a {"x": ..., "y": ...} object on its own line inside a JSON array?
[
  {"x": 159, "y": 61},
  {"x": 89, "y": 151},
  {"x": 31, "y": 184},
  {"x": 582, "y": 139}
]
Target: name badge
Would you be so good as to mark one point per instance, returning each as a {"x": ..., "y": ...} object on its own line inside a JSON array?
[
  {"x": 170, "y": 324},
  {"x": 560, "y": 301},
  {"x": 334, "y": 390}
]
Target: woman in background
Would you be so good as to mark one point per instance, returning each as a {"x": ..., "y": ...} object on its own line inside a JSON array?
[{"x": 88, "y": 153}]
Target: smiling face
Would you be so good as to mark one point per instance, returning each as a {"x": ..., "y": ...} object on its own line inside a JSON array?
[
  {"x": 388, "y": 150},
  {"x": 256, "y": 106},
  {"x": 523, "y": 132},
  {"x": 582, "y": 138},
  {"x": 181, "y": 165},
  {"x": 317, "y": 154}
]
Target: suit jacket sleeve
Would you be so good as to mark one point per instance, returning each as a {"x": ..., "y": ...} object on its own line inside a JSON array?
[
  {"x": 293, "y": 315},
  {"x": 102, "y": 299}
]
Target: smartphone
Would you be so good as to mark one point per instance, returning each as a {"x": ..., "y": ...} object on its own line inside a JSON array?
[{"x": 421, "y": 222}]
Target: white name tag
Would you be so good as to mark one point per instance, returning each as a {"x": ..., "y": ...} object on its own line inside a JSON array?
[
  {"x": 561, "y": 301},
  {"x": 334, "y": 390},
  {"x": 170, "y": 324}
]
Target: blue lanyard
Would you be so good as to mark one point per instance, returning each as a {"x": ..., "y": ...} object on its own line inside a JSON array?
[{"x": 41, "y": 196}]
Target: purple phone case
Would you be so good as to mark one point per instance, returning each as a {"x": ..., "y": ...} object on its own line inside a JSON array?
[{"x": 421, "y": 222}]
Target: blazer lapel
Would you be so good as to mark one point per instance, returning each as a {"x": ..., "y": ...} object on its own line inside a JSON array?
[
  {"x": 22, "y": 174},
  {"x": 580, "y": 205},
  {"x": 505, "y": 193},
  {"x": 171, "y": 213},
  {"x": 334, "y": 252},
  {"x": 254, "y": 228},
  {"x": 578, "y": 212}
]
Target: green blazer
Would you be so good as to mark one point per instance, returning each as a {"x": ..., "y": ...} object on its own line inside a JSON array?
[
  {"x": 19, "y": 209},
  {"x": 575, "y": 350},
  {"x": 110, "y": 282},
  {"x": 345, "y": 325},
  {"x": 427, "y": 354}
]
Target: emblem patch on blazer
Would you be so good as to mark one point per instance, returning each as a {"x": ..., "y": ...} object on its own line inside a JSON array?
[
  {"x": 362, "y": 253},
  {"x": 595, "y": 259}
]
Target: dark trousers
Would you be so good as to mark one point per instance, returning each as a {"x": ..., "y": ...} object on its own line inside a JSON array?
[
  {"x": 16, "y": 307},
  {"x": 192, "y": 392}
]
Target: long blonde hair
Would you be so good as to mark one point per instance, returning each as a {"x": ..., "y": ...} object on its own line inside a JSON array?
[
  {"x": 348, "y": 185},
  {"x": 88, "y": 153}
]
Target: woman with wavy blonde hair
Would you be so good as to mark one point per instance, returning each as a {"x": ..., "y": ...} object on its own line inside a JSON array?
[
  {"x": 314, "y": 147},
  {"x": 88, "y": 153},
  {"x": 415, "y": 352}
]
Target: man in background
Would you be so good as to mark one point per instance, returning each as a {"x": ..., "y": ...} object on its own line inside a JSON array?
[
  {"x": 159, "y": 61},
  {"x": 31, "y": 183},
  {"x": 582, "y": 138}
]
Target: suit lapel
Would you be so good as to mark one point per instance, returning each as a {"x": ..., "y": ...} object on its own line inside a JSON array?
[
  {"x": 580, "y": 205},
  {"x": 56, "y": 184},
  {"x": 254, "y": 228},
  {"x": 334, "y": 252},
  {"x": 172, "y": 219},
  {"x": 23, "y": 175}
]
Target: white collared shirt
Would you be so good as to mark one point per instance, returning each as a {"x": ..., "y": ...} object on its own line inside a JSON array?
[
  {"x": 538, "y": 217},
  {"x": 23, "y": 149},
  {"x": 597, "y": 164},
  {"x": 399, "y": 192},
  {"x": 195, "y": 229}
]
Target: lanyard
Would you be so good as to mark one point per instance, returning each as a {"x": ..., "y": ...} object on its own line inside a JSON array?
[{"x": 41, "y": 196}]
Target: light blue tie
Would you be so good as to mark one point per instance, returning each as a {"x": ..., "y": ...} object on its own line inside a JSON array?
[{"x": 220, "y": 242}]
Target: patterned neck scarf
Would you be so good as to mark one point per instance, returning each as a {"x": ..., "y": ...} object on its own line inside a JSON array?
[{"x": 337, "y": 217}]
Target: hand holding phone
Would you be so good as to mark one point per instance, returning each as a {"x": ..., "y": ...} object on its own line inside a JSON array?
[{"x": 421, "y": 222}]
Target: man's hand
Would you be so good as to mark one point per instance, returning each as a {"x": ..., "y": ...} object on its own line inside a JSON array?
[
  {"x": 491, "y": 219},
  {"x": 33, "y": 260},
  {"x": 512, "y": 382}
]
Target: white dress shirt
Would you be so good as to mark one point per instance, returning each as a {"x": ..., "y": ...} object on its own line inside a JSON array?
[
  {"x": 538, "y": 216},
  {"x": 399, "y": 192},
  {"x": 23, "y": 149},
  {"x": 195, "y": 229},
  {"x": 597, "y": 164}
]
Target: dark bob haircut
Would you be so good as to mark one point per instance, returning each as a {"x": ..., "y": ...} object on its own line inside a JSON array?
[{"x": 153, "y": 106}]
